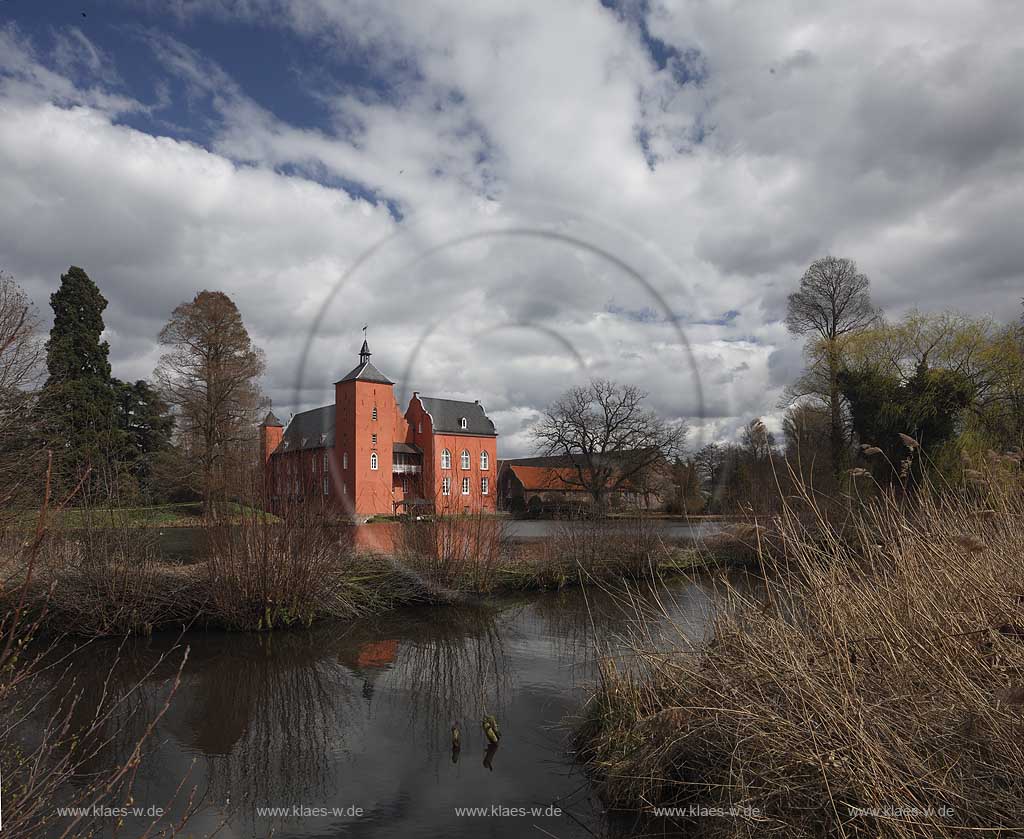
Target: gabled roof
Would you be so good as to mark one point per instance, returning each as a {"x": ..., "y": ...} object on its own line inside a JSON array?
[
  {"x": 560, "y": 478},
  {"x": 445, "y": 414},
  {"x": 366, "y": 372},
  {"x": 309, "y": 430}
]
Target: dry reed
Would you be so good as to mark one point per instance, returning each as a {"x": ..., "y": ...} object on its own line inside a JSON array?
[{"x": 872, "y": 689}]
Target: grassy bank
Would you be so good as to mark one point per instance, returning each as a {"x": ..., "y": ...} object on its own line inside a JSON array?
[
  {"x": 184, "y": 514},
  {"x": 876, "y": 689},
  {"x": 474, "y": 554},
  {"x": 261, "y": 572},
  {"x": 258, "y": 574}
]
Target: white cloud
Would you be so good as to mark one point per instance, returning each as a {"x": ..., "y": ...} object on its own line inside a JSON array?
[{"x": 890, "y": 134}]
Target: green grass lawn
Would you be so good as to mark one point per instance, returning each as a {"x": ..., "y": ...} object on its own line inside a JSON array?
[{"x": 186, "y": 514}]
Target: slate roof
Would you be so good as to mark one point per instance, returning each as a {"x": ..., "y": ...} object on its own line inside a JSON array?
[
  {"x": 309, "y": 430},
  {"x": 366, "y": 372},
  {"x": 405, "y": 448},
  {"x": 445, "y": 414}
]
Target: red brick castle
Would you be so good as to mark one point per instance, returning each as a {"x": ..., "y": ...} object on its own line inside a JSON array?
[{"x": 362, "y": 457}]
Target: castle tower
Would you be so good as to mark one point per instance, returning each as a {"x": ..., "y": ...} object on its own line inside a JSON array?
[
  {"x": 364, "y": 437},
  {"x": 271, "y": 432}
]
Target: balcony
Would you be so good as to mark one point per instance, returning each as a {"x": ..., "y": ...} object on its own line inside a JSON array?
[{"x": 406, "y": 468}]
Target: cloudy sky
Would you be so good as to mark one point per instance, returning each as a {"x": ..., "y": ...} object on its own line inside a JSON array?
[{"x": 514, "y": 196}]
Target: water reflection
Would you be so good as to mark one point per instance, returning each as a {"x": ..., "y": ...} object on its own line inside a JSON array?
[{"x": 362, "y": 715}]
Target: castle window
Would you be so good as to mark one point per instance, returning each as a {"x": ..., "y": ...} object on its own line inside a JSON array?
[
  {"x": 484, "y": 460},
  {"x": 465, "y": 459},
  {"x": 484, "y": 486},
  {"x": 465, "y": 486},
  {"x": 344, "y": 460},
  {"x": 446, "y": 459},
  {"x": 325, "y": 461},
  {"x": 374, "y": 440},
  {"x": 419, "y": 427},
  {"x": 463, "y": 422},
  {"x": 373, "y": 416},
  {"x": 373, "y": 460},
  {"x": 446, "y": 486},
  {"x": 325, "y": 487}
]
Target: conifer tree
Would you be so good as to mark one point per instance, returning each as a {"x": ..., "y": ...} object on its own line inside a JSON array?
[{"x": 78, "y": 405}]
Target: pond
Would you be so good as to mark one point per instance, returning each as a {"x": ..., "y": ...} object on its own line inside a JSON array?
[
  {"x": 348, "y": 727},
  {"x": 187, "y": 544}
]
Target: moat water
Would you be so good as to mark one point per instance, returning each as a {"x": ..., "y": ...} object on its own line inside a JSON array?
[{"x": 346, "y": 729}]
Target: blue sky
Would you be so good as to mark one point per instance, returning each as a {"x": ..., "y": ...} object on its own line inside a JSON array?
[{"x": 513, "y": 195}]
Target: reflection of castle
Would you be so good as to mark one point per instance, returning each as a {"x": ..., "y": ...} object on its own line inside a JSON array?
[
  {"x": 369, "y": 660},
  {"x": 362, "y": 456}
]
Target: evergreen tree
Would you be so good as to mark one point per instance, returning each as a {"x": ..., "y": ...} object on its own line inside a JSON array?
[
  {"x": 78, "y": 406},
  {"x": 144, "y": 419}
]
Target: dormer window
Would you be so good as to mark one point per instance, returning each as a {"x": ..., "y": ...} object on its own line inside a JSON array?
[
  {"x": 323, "y": 439},
  {"x": 304, "y": 441},
  {"x": 463, "y": 422},
  {"x": 284, "y": 445}
]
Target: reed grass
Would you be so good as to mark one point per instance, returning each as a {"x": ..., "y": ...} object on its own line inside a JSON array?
[{"x": 873, "y": 688}]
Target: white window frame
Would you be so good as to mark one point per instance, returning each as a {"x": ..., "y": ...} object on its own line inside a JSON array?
[
  {"x": 466, "y": 486},
  {"x": 466, "y": 460},
  {"x": 446, "y": 459},
  {"x": 484, "y": 486},
  {"x": 373, "y": 461},
  {"x": 325, "y": 461},
  {"x": 373, "y": 416},
  {"x": 463, "y": 422},
  {"x": 419, "y": 427},
  {"x": 326, "y": 482},
  {"x": 344, "y": 460},
  {"x": 446, "y": 485},
  {"x": 485, "y": 461},
  {"x": 373, "y": 439}
]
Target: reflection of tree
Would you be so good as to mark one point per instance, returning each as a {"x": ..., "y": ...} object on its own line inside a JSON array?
[{"x": 454, "y": 670}]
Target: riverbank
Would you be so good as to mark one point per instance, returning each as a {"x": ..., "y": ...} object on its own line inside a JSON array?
[
  {"x": 876, "y": 689},
  {"x": 261, "y": 574}
]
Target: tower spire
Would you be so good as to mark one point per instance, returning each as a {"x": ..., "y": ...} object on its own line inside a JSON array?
[{"x": 364, "y": 353}]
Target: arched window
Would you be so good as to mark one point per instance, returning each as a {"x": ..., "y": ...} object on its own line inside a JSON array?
[
  {"x": 463, "y": 422},
  {"x": 485, "y": 461},
  {"x": 446, "y": 459},
  {"x": 373, "y": 460},
  {"x": 465, "y": 458}
]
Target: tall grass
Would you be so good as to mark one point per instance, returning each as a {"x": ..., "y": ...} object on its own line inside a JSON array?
[
  {"x": 875, "y": 687},
  {"x": 261, "y": 574},
  {"x": 50, "y": 736}
]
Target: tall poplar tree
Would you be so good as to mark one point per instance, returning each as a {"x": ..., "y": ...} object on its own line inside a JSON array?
[{"x": 78, "y": 404}]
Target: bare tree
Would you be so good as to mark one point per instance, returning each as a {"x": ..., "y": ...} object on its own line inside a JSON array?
[
  {"x": 21, "y": 370},
  {"x": 209, "y": 377},
  {"x": 608, "y": 438},
  {"x": 833, "y": 301}
]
